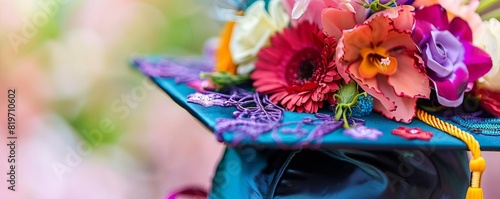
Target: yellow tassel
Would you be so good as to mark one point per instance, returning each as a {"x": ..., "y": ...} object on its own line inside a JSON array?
[
  {"x": 477, "y": 167},
  {"x": 477, "y": 163},
  {"x": 474, "y": 193}
]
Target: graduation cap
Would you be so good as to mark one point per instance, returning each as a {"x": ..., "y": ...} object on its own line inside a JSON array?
[{"x": 294, "y": 132}]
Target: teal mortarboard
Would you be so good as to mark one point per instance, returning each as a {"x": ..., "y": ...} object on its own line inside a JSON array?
[
  {"x": 208, "y": 116},
  {"x": 331, "y": 107},
  {"x": 271, "y": 164}
]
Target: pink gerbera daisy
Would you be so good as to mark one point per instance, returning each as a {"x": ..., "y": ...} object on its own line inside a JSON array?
[{"x": 298, "y": 70}]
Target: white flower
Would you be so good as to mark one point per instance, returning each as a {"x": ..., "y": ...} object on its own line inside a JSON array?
[
  {"x": 253, "y": 30},
  {"x": 487, "y": 37}
]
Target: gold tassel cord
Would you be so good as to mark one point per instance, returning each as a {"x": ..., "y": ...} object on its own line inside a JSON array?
[{"x": 477, "y": 163}]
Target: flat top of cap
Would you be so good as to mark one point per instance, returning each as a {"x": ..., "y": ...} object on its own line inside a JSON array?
[
  {"x": 440, "y": 140},
  {"x": 336, "y": 139}
]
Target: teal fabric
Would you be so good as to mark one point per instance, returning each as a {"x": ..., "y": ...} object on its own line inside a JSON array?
[
  {"x": 335, "y": 140},
  {"x": 340, "y": 166},
  {"x": 247, "y": 172}
]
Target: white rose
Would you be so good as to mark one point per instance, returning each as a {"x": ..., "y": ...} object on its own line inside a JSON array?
[
  {"x": 253, "y": 31},
  {"x": 487, "y": 37}
]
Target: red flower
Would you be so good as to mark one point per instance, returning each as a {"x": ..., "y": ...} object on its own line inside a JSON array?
[
  {"x": 490, "y": 100},
  {"x": 298, "y": 70},
  {"x": 412, "y": 133}
]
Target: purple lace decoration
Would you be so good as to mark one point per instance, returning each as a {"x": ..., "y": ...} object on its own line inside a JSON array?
[
  {"x": 183, "y": 70},
  {"x": 208, "y": 99},
  {"x": 360, "y": 132},
  {"x": 256, "y": 115}
]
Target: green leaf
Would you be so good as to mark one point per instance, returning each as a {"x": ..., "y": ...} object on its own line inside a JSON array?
[{"x": 224, "y": 79}]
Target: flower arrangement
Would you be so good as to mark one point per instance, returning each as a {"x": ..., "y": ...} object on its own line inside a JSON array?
[
  {"x": 400, "y": 52},
  {"x": 346, "y": 61}
]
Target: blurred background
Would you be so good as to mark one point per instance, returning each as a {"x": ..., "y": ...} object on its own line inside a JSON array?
[{"x": 91, "y": 126}]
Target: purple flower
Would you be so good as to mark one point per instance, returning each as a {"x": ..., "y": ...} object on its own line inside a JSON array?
[
  {"x": 359, "y": 132},
  {"x": 453, "y": 63},
  {"x": 443, "y": 54}
]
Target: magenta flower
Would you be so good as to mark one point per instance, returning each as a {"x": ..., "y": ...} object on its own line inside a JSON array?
[{"x": 453, "y": 63}]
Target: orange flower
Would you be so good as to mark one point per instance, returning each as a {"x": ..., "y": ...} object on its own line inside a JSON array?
[
  {"x": 224, "y": 62},
  {"x": 381, "y": 57},
  {"x": 377, "y": 60}
]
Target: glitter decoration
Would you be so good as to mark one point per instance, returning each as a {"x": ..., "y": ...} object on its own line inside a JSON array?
[{"x": 207, "y": 100}]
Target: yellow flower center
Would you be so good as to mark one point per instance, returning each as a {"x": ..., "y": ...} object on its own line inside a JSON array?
[{"x": 376, "y": 61}]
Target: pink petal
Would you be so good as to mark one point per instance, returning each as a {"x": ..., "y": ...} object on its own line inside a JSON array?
[
  {"x": 477, "y": 61},
  {"x": 311, "y": 14},
  {"x": 380, "y": 27},
  {"x": 396, "y": 40},
  {"x": 436, "y": 15},
  {"x": 270, "y": 88},
  {"x": 370, "y": 83},
  {"x": 334, "y": 21},
  {"x": 460, "y": 28},
  {"x": 294, "y": 100},
  {"x": 384, "y": 101},
  {"x": 300, "y": 109},
  {"x": 398, "y": 18},
  {"x": 286, "y": 99},
  {"x": 401, "y": 17},
  {"x": 309, "y": 107},
  {"x": 275, "y": 98},
  {"x": 361, "y": 12},
  {"x": 342, "y": 66},
  {"x": 419, "y": 34},
  {"x": 353, "y": 41},
  {"x": 408, "y": 81},
  {"x": 305, "y": 98},
  {"x": 371, "y": 86},
  {"x": 405, "y": 107}
]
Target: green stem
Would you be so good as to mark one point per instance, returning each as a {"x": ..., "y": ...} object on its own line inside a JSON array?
[
  {"x": 338, "y": 113},
  {"x": 492, "y": 14},
  {"x": 346, "y": 123},
  {"x": 483, "y": 4}
]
